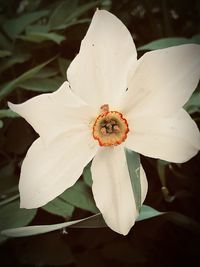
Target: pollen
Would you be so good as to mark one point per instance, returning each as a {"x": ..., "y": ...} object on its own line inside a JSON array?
[{"x": 110, "y": 127}]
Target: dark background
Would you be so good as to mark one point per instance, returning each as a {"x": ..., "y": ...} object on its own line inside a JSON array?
[{"x": 168, "y": 240}]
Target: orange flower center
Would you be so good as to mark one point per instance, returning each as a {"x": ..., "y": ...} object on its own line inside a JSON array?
[{"x": 110, "y": 127}]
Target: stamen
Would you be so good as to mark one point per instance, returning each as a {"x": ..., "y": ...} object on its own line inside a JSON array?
[
  {"x": 109, "y": 127},
  {"x": 113, "y": 122},
  {"x": 104, "y": 109},
  {"x": 103, "y": 131},
  {"x": 116, "y": 128}
]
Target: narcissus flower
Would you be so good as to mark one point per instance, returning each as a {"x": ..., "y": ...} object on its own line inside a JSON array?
[{"x": 111, "y": 101}]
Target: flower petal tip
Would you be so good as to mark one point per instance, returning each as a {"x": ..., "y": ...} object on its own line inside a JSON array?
[
  {"x": 27, "y": 204},
  {"x": 11, "y": 105},
  {"x": 14, "y": 107},
  {"x": 22, "y": 206},
  {"x": 101, "y": 14},
  {"x": 125, "y": 230}
]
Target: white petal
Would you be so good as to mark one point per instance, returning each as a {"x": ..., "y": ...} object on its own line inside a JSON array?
[
  {"x": 99, "y": 72},
  {"x": 175, "y": 139},
  {"x": 112, "y": 189},
  {"x": 47, "y": 171},
  {"x": 53, "y": 113},
  {"x": 164, "y": 80}
]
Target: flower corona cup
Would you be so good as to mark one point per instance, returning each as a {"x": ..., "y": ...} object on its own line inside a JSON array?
[{"x": 110, "y": 127}]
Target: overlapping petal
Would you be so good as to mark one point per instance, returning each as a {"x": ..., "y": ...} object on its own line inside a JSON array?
[
  {"x": 48, "y": 170},
  {"x": 99, "y": 72},
  {"x": 53, "y": 113},
  {"x": 112, "y": 188},
  {"x": 174, "y": 139},
  {"x": 163, "y": 81}
]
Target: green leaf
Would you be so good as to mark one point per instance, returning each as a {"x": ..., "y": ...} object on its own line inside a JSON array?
[
  {"x": 37, "y": 28},
  {"x": 40, "y": 229},
  {"x": 42, "y": 85},
  {"x": 94, "y": 221},
  {"x": 72, "y": 23},
  {"x": 80, "y": 196},
  {"x": 1, "y": 124},
  {"x": 165, "y": 42},
  {"x": 14, "y": 59},
  {"x": 72, "y": 18},
  {"x": 12, "y": 216},
  {"x": 148, "y": 212},
  {"x": 87, "y": 176},
  {"x": 9, "y": 87},
  {"x": 133, "y": 162},
  {"x": 81, "y": 10},
  {"x": 5, "y": 53},
  {"x": 14, "y": 27},
  {"x": 9, "y": 199},
  {"x": 59, "y": 207},
  {"x": 47, "y": 72},
  {"x": 5, "y": 43},
  {"x": 63, "y": 65},
  {"x": 61, "y": 13},
  {"x": 7, "y": 113},
  {"x": 196, "y": 38},
  {"x": 38, "y": 37},
  {"x": 13, "y": 189}
]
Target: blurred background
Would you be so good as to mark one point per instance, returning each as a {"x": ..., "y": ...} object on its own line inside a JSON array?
[{"x": 38, "y": 40}]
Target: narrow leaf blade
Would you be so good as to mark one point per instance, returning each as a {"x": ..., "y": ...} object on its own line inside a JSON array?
[
  {"x": 94, "y": 221},
  {"x": 7, "y": 113},
  {"x": 40, "y": 229},
  {"x": 15, "y": 26},
  {"x": 87, "y": 175},
  {"x": 42, "y": 85},
  {"x": 148, "y": 212},
  {"x": 165, "y": 42},
  {"x": 59, "y": 207},
  {"x": 80, "y": 196},
  {"x": 133, "y": 162},
  {"x": 12, "y": 216},
  {"x": 9, "y": 87}
]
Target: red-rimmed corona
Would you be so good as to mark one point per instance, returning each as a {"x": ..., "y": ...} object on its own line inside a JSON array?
[{"x": 110, "y": 127}]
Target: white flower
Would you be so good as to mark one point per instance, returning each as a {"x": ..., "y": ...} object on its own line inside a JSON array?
[{"x": 94, "y": 116}]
